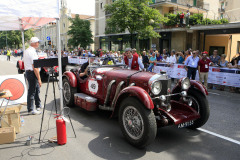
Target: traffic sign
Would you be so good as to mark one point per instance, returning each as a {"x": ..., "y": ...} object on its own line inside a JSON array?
[{"x": 48, "y": 38}]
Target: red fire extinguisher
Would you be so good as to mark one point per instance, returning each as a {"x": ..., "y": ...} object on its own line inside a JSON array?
[{"x": 61, "y": 130}]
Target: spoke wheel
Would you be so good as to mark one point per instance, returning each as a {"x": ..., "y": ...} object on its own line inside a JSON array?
[
  {"x": 138, "y": 124},
  {"x": 133, "y": 122},
  {"x": 68, "y": 93}
]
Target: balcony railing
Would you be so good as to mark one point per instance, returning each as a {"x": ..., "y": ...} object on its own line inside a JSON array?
[
  {"x": 221, "y": 9},
  {"x": 199, "y": 3}
]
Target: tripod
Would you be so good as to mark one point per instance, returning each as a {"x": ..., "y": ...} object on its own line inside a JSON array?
[{"x": 51, "y": 74}]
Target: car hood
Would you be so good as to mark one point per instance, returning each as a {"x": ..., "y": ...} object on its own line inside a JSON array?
[{"x": 119, "y": 73}]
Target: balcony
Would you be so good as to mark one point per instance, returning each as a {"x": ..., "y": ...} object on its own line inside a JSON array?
[
  {"x": 182, "y": 5},
  {"x": 221, "y": 10}
]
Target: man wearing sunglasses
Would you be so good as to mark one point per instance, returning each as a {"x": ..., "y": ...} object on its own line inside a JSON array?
[{"x": 191, "y": 65}]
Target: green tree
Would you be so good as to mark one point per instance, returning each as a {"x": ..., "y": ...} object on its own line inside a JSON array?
[
  {"x": 80, "y": 33},
  {"x": 14, "y": 38},
  {"x": 134, "y": 15}
]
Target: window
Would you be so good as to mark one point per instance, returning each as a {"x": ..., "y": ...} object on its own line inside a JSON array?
[
  {"x": 221, "y": 50},
  {"x": 195, "y": 3},
  {"x": 238, "y": 47},
  {"x": 101, "y": 5}
]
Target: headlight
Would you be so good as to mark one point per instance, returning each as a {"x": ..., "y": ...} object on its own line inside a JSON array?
[
  {"x": 185, "y": 83},
  {"x": 156, "y": 87}
]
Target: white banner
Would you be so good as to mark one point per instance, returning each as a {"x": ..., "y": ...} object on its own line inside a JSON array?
[
  {"x": 77, "y": 59},
  {"x": 216, "y": 75},
  {"x": 17, "y": 86}
]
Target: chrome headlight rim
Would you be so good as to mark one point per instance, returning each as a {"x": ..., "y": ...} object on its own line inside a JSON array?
[
  {"x": 185, "y": 83},
  {"x": 153, "y": 85}
]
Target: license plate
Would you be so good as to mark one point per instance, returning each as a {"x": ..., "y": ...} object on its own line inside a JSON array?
[{"x": 185, "y": 124}]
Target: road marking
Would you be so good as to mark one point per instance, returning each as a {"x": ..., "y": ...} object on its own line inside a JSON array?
[
  {"x": 220, "y": 136},
  {"x": 214, "y": 93}
]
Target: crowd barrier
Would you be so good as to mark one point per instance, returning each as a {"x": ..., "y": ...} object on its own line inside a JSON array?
[{"x": 216, "y": 75}]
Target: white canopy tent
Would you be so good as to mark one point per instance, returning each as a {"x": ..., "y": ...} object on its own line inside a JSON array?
[{"x": 26, "y": 14}]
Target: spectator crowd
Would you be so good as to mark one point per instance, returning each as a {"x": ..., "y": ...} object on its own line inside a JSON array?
[{"x": 193, "y": 60}]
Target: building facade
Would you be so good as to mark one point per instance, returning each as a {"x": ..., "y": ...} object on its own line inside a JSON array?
[
  {"x": 229, "y": 9},
  {"x": 180, "y": 38},
  {"x": 50, "y": 30}
]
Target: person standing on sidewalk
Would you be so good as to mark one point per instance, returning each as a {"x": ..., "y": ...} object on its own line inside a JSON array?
[
  {"x": 8, "y": 55},
  {"x": 33, "y": 77},
  {"x": 191, "y": 65},
  {"x": 203, "y": 68}
]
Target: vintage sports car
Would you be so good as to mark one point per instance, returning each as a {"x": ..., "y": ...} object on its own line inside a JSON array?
[{"x": 143, "y": 101}]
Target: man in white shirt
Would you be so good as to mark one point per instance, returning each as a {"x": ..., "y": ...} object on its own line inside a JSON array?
[
  {"x": 165, "y": 58},
  {"x": 33, "y": 77},
  {"x": 172, "y": 59}
]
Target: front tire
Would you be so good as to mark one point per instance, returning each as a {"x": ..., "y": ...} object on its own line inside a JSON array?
[
  {"x": 200, "y": 104},
  {"x": 138, "y": 124},
  {"x": 68, "y": 93}
]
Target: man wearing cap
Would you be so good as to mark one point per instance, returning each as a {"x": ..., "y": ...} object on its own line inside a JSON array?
[
  {"x": 203, "y": 68},
  {"x": 132, "y": 61},
  {"x": 191, "y": 65},
  {"x": 33, "y": 77}
]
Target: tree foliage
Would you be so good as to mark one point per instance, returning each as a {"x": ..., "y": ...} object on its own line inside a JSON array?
[
  {"x": 14, "y": 38},
  {"x": 134, "y": 15},
  {"x": 80, "y": 33}
]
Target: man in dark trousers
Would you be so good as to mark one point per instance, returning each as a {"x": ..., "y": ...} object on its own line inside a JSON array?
[
  {"x": 33, "y": 77},
  {"x": 145, "y": 60},
  {"x": 191, "y": 65}
]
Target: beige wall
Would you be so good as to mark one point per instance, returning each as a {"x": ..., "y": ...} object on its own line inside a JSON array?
[
  {"x": 212, "y": 13},
  {"x": 178, "y": 41},
  {"x": 217, "y": 40},
  {"x": 232, "y": 10},
  {"x": 100, "y": 17},
  {"x": 234, "y": 47},
  {"x": 231, "y": 46}
]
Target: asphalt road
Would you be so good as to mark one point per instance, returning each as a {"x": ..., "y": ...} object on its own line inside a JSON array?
[{"x": 99, "y": 137}]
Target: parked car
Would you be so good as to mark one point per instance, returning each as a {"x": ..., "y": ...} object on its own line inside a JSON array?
[{"x": 143, "y": 101}]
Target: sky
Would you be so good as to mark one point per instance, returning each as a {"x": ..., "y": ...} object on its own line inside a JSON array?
[{"x": 86, "y": 7}]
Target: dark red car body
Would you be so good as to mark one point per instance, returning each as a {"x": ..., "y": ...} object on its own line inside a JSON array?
[{"x": 137, "y": 84}]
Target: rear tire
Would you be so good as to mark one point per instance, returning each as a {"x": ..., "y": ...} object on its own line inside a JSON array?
[
  {"x": 138, "y": 124},
  {"x": 200, "y": 104},
  {"x": 68, "y": 93}
]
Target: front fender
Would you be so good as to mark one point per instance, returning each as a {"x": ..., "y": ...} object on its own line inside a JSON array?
[
  {"x": 71, "y": 78},
  {"x": 137, "y": 92},
  {"x": 194, "y": 83},
  {"x": 199, "y": 86}
]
